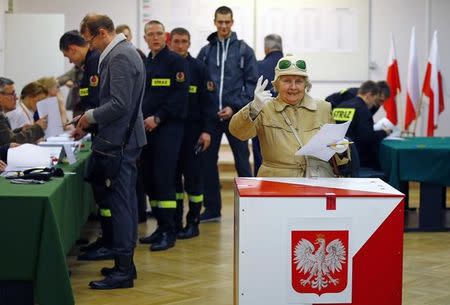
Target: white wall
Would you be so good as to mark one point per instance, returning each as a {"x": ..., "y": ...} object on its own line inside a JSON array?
[
  {"x": 397, "y": 16},
  {"x": 3, "y": 7},
  {"x": 120, "y": 11}
]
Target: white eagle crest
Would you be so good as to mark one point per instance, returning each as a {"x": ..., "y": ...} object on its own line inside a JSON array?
[{"x": 319, "y": 263}]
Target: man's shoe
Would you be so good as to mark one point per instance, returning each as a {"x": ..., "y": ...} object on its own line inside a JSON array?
[
  {"x": 191, "y": 230},
  {"x": 101, "y": 253},
  {"x": 167, "y": 241},
  {"x": 106, "y": 271},
  {"x": 207, "y": 217},
  {"x": 92, "y": 246},
  {"x": 152, "y": 238},
  {"x": 113, "y": 281}
]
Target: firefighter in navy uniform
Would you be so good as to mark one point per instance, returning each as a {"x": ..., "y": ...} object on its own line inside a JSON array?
[
  {"x": 357, "y": 110},
  {"x": 165, "y": 109},
  {"x": 76, "y": 49},
  {"x": 347, "y": 94},
  {"x": 197, "y": 136}
]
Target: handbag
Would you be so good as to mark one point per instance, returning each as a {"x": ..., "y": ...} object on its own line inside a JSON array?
[
  {"x": 104, "y": 163},
  {"x": 314, "y": 167}
]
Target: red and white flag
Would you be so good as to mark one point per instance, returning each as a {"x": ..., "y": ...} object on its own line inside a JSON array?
[
  {"x": 413, "y": 89},
  {"x": 433, "y": 87},
  {"x": 393, "y": 80}
]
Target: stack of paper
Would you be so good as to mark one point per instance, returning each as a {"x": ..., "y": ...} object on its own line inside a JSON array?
[{"x": 28, "y": 156}]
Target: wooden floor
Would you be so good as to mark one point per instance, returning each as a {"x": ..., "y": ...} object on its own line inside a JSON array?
[{"x": 199, "y": 271}]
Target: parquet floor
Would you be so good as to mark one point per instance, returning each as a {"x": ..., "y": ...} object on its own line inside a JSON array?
[{"x": 199, "y": 271}]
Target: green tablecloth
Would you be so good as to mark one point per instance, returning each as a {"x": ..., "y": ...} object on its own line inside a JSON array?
[
  {"x": 416, "y": 159},
  {"x": 39, "y": 224}
]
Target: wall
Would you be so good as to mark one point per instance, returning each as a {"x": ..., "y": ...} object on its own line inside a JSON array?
[
  {"x": 397, "y": 16},
  {"x": 3, "y": 7}
]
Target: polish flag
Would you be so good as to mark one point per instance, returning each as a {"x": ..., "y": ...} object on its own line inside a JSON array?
[
  {"x": 413, "y": 89},
  {"x": 393, "y": 80},
  {"x": 433, "y": 87}
]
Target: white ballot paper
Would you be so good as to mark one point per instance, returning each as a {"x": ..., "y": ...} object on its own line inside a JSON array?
[
  {"x": 50, "y": 108},
  {"x": 385, "y": 123},
  {"x": 28, "y": 156},
  {"x": 318, "y": 146}
]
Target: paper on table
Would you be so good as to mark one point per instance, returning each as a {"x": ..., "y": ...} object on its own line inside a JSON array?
[
  {"x": 385, "y": 123},
  {"x": 318, "y": 145},
  {"x": 50, "y": 108},
  {"x": 28, "y": 156},
  {"x": 68, "y": 149}
]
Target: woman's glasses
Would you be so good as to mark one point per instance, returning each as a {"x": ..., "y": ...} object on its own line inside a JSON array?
[{"x": 286, "y": 64}]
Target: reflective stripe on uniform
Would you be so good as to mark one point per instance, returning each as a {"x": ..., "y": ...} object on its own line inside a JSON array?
[
  {"x": 192, "y": 89},
  {"x": 161, "y": 82},
  {"x": 154, "y": 203},
  {"x": 180, "y": 196},
  {"x": 105, "y": 212},
  {"x": 167, "y": 204},
  {"x": 343, "y": 114},
  {"x": 84, "y": 91},
  {"x": 196, "y": 198}
]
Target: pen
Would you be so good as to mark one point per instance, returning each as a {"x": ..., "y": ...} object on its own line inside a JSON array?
[{"x": 334, "y": 145}]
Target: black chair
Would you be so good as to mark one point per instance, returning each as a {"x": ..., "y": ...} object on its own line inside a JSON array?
[{"x": 363, "y": 172}]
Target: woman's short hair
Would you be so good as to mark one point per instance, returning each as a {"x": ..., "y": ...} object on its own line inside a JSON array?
[{"x": 32, "y": 89}]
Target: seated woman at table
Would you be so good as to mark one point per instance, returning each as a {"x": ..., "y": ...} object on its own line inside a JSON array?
[
  {"x": 286, "y": 122},
  {"x": 22, "y": 116},
  {"x": 28, "y": 134}
]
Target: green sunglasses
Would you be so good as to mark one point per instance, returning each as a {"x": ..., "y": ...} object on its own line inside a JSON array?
[{"x": 286, "y": 64}]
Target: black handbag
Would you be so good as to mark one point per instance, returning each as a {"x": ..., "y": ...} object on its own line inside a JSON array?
[{"x": 105, "y": 161}]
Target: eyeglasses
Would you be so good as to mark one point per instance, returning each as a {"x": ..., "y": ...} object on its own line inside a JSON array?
[
  {"x": 92, "y": 38},
  {"x": 13, "y": 94},
  {"x": 286, "y": 64}
]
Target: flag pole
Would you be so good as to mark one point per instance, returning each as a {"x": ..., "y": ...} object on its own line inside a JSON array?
[
  {"x": 418, "y": 113},
  {"x": 400, "y": 117}
]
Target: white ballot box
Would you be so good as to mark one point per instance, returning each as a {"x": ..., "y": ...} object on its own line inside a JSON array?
[{"x": 317, "y": 241}]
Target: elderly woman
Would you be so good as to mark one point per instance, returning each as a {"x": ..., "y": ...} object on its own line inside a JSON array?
[{"x": 285, "y": 123}]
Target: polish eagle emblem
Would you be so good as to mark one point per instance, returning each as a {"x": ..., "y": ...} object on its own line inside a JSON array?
[{"x": 319, "y": 265}]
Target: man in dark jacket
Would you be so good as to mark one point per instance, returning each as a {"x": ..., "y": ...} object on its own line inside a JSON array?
[
  {"x": 165, "y": 109},
  {"x": 233, "y": 68},
  {"x": 197, "y": 136},
  {"x": 357, "y": 110},
  {"x": 75, "y": 48},
  {"x": 347, "y": 94},
  {"x": 273, "y": 48}
]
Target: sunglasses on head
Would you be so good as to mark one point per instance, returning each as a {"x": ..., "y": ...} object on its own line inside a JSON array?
[{"x": 286, "y": 64}]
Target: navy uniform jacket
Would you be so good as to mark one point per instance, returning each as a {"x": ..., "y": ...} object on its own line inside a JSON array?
[
  {"x": 266, "y": 67},
  {"x": 90, "y": 82},
  {"x": 166, "y": 89},
  {"x": 361, "y": 130},
  {"x": 240, "y": 70},
  {"x": 344, "y": 95},
  {"x": 202, "y": 107}
]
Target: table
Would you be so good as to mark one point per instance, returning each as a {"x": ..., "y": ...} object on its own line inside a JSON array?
[
  {"x": 426, "y": 160},
  {"x": 39, "y": 224}
]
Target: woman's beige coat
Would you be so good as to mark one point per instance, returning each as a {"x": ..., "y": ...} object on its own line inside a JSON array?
[{"x": 278, "y": 144}]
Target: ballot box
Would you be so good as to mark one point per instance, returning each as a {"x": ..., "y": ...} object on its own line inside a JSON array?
[{"x": 317, "y": 241}]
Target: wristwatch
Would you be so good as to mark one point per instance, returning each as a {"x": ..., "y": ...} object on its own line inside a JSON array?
[{"x": 157, "y": 120}]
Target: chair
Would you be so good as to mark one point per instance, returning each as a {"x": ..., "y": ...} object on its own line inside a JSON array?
[{"x": 363, "y": 172}]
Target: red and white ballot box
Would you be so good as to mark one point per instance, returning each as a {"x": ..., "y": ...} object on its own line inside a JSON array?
[{"x": 317, "y": 241}]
